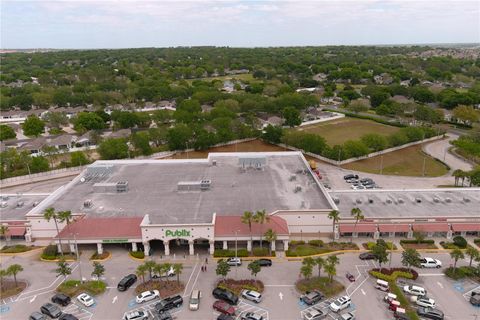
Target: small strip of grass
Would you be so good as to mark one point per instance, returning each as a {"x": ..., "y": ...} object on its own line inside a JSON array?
[
  {"x": 137, "y": 254},
  {"x": 301, "y": 249},
  {"x": 236, "y": 286},
  {"x": 369, "y": 245},
  {"x": 414, "y": 244},
  {"x": 74, "y": 287},
  {"x": 323, "y": 284},
  {"x": 18, "y": 248},
  {"x": 97, "y": 256}
]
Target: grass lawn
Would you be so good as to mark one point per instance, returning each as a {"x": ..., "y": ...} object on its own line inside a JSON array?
[
  {"x": 18, "y": 248},
  {"x": 329, "y": 289},
  {"x": 418, "y": 245},
  {"x": 341, "y": 130},
  {"x": 74, "y": 287},
  {"x": 404, "y": 162}
]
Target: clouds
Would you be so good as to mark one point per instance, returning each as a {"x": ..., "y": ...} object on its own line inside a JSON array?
[{"x": 124, "y": 23}]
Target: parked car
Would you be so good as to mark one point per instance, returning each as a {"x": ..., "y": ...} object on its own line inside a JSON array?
[
  {"x": 264, "y": 262},
  {"x": 475, "y": 298},
  {"x": 61, "y": 299},
  {"x": 194, "y": 302},
  {"x": 352, "y": 181},
  {"x": 371, "y": 186},
  {"x": 85, "y": 299},
  {"x": 234, "y": 262},
  {"x": 67, "y": 316},
  {"x": 346, "y": 316},
  {"x": 366, "y": 256},
  {"x": 430, "y": 313},
  {"x": 169, "y": 303},
  {"x": 222, "y": 316},
  {"x": 314, "y": 314},
  {"x": 423, "y": 301},
  {"x": 147, "y": 296},
  {"x": 136, "y": 315},
  {"x": 163, "y": 316},
  {"x": 37, "y": 316},
  {"x": 430, "y": 263},
  {"x": 225, "y": 295},
  {"x": 366, "y": 181},
  {"x": 126, "y": 282},
  {"x": 224, "y": 307},
  {"x": 169, "y": 273},
  {"x": 415, "y": 290},
  {"x": 252, "y": 295},
  {"x": 51, "y": 310},
  {"x": 340, "y": 304},
  {"x": 312, "y": 297},
  {"x": 350, "y": 176},
  {"x": 358, "y": 187},
  {"x": 251, "y": 316}
]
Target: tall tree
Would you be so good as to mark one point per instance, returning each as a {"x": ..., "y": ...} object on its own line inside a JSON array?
[
  {"x": 410, "y": 257},
  {"x": 254, "y": 268},
  {"x": 334, "y": 215},
  {"x": 150, "y": 265},
  {"x": 50, "y": 214},
  {"x": 141, "y": 272},
  {"x": 320, "y": 262},
  {"x": 98, "y": 270},
  {"x": 261, "y": 217},
  {"x": 33, "y": 126},
  {"x": 222, "y": 268},
  {"x": 380, "y": 253},
  {"x": 270, "y": 236},
  {"x": 331, "y": 270},
  {"x": 65, "y": 216},
  {"x": 306, "y": 271},
  {"x": 472, "y": 253},
  {"x": 6, "y": 133},
  {"x": 248, "y": 218},
  {"x": 178, "y": 268},
  {"x": 63, "y": 268},
  {"x": 456, "y": 255},
  {"x": 357, "y": 214},
  {"x": 3, "y": 231},
  {"x": 14, "y": 269}
]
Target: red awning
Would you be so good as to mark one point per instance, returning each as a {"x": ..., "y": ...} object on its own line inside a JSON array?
[
  {"x": 431, "y": 227},
  {"x": 16, "y": 231},
  {"x": 349, "y": 228},
  {"x": 227, "y": 225},
  {"x": 393, "y": 227},
  {"x": 466, "y": 227}
]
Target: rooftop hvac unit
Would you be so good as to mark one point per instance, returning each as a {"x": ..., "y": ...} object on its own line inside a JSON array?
[
  {"x": 214, "y": 163},
  {"x": 20, "y": 204},
  {"x": 448, "y": 200},
  {"x": 370, "y": 200},
  {"x": 205, "y": 184},
  {"x": 87, "y": 203},
  {"x": 122, "y": 186},
  {"x": 389, "y": 201},
  {"x": 292, "y": 178},
  {"x": 400, "y": 200},
  {"x": 336, "y": 200},
  {"x": 3, "y": 204},
  {"x": 436, "y": 199},
  {"x": 298, "y": 188},
  {"x": 465, "y": 199},
  {"x": 358, "y": 200}
]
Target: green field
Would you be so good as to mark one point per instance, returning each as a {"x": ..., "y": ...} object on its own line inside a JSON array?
[
  {"x": 341, "y": 130},
  {"x": 404, "y": 162}
]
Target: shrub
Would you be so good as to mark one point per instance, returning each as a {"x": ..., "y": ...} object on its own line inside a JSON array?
[
  {"x": 221, "y": 253},
  {"x": 260, "y": 252},
  {"x": 305, "y": 250},
  {"x": 316, "y": 243},
  {"x": 50, "y": 252},
  {"x": 461, "y": 272},
  {"x": 16, "y": 248},
  {"x": 137, "y": 254},
  {"x": 296, "y": 242},
  {"x": 97, "y": 256},
  {"x": 477, "y": 241},
  {"x": 393, "y": 273},
  {"x": 73, "y": 287},
  {"x": 460, "y": 242},
  {"x": 413, "y": 241},
  {"x": 236, "y": 286}
]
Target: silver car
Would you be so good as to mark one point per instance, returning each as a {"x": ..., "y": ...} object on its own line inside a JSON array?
[{"x": 252, "y": 295}]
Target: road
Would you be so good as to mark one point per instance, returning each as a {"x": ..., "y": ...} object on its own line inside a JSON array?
[{"x": 439, "y": 149}]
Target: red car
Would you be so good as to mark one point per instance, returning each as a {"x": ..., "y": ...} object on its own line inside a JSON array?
[{"x": 223, "y": 307}]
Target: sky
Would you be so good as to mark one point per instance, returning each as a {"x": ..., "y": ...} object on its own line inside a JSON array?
[{"x": 83, "y": 24}]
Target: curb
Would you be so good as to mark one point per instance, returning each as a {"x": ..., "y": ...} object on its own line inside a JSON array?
[
  {"x": 19, "y": 253},
  {"x": 105, "y": 259},
  {"x": 136, "y": 259}
]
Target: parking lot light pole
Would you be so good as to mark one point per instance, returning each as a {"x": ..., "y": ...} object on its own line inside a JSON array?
[{"x": 78, "y": 257}]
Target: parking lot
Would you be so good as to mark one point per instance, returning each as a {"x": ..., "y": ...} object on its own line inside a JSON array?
[{"x": 280, "y": 298}]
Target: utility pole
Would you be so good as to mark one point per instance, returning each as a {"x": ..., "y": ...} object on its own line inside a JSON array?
[
  {"x": 424, "y": 161},
  {"x": 78, "y": 257}
]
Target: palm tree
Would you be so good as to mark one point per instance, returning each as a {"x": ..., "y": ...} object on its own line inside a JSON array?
[
  {"x": 150, "y": 266},
  {"x": 357, "y": 214},
  {"x": 320, "y": 262},
  {"x": 158, "y": 269},
  {"x": 472, "y": 253},
  {"x": 3, "y": 231},
  {"x": 457, "y": 174},
  {"x": 141, "y": 272},
  {"x": 456, "y": 255},
  {"x": 14, "y": 269},
  {"x": 3, "y": 274},
  {"x": 65, "y": 216},
  {"x": 335, "y": 216},
  {"x": 178, "y": 268},
  {"x": 261, "y": 217},
  {"x": 271, "y": 237},
  {"x": 248, "y": 218},
  {"x": 49, "y": 214},
  {"x": 331, "y": 270},
  {"x": 166, "y": 268}
]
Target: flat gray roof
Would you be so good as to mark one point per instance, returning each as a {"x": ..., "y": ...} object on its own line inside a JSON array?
[
  {"x": 464, "y": 202},
  {"x": 18, "y": 205},
  {"x": 284, "y": 183}
]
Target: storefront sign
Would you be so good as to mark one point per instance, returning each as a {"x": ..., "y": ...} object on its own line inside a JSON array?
[
  {"x": 115, "y": 241},
  {"x": 177, "y": 233}
]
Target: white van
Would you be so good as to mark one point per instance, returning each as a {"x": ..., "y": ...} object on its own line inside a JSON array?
[
  {"x": 194, "y": 301},
  {"x": 415, "y": 291},
  {"x": 382, "y": 285}
]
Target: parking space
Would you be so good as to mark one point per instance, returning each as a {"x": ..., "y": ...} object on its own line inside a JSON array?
[
  {"x": 324, "y": 307},
  {"x": 244, "y": 307},
  {"x": 149, "y": 307},
  {"x": 78, "y": 311}
]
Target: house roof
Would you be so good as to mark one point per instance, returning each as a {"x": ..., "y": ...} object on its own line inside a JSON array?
[
  {"x": 465, "y": 227},
  {"x": 104, "y": 228},
  {"x": 60, "y": 140},
  {"x": 227, "y": 225}
]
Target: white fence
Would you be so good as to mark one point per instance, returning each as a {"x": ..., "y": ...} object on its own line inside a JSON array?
[{"x": 36, "y": 176}]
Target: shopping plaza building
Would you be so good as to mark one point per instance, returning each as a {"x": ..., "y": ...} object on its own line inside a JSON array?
[{"x": 195, "y": 205}]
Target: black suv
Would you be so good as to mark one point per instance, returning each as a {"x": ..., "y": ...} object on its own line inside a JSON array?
[
  {"x": 169, "y": 303},
  {"x": 312, "y": 297},
  {"x": 430, "y": 313},
  {"x": 126, "y": 282},
  {"x": 225, "y": 295},
  {"x": 264, "y": 262},
  {"x": 350, "y": 176},
  {"x": 163, "y": 316},
  {"x": 475, "y": 298},
  {"x": 67, "y": 316},
  {"x": 61, "y": 299},
  {"x": 51, "y": 310}
]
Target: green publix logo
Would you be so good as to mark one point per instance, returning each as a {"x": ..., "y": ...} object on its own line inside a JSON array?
[{"x": 177, "y": 233}]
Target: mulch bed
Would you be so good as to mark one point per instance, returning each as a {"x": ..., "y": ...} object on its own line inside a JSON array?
[
  {"x": 8, "y": 288},
  {"x": 236, "y": 286},
  {"x": 166, "y": 288}
]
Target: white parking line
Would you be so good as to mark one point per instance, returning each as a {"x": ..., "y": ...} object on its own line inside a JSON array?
[{"x": 190, "y": 278}]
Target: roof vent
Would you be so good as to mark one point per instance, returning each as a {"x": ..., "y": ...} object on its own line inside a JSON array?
[
  {"x": 3, "y": 204},
  {"x": 436, "y": 199},
  {"x": 370, "y": 200},
  {"x": 388, "y": 201},
  {"x": 20, "y": 204},
  {"x": 400, "y": 200},
  {"x": 292, "y": 178},
  {"x": 465, "y": 199},
  {"x": 35, "y": 204},
  {"x": 214, "y": 163},
  {"x": 298, "y": 188},
  {"x": 448, "y": 200},
  {"x": 122, "y": 186},
  {"x": 358, "y": 200},
  {"x": 418, "y": 200},
  {"x": 87, "y": 203},
  {"x": 336, "y": 200}
]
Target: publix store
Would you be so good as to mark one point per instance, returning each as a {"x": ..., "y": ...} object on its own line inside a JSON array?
[{"x": 185, "y": 207}]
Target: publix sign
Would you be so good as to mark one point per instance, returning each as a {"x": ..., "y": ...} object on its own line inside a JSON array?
[{"x": 177, "y": 233}]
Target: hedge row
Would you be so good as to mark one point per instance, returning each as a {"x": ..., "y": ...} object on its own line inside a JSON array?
[
  {"x": 376, "y": 119},
  {"x": 221, "y": 253},
  {"x": 137, "y": 254},
  {"x": 413, "y": 241},
  {"x": 393, "y": 273}
]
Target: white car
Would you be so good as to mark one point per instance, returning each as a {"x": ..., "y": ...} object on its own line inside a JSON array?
[
  {"x": 85, "y": 299},
  {"x": 136, "y": 315},
  {"x": 414, "y": 290},
  {"x": 252, "y": 295},
  {"x": 358, "y": 187},
  {"x": 424, "y": 302},
  {"x": 346, "y": 316},
  {"x": 430, "y": 263},
  {"x": 147, "y": 296},
  {"x": 340, "y": 304},
  {"x": 169, "y": 273},
  {"x": 234, "y": 261},
  {"x": 314, "y": 314}
]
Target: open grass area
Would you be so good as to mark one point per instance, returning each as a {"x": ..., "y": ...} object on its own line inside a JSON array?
[
  {"x": 250, "y": 146},
  {"x": 18, "y": 248},
  {"x": 404, "y": 162},
  {"x": 341, "y": 130},
  {"x": 323, "y": 284}
]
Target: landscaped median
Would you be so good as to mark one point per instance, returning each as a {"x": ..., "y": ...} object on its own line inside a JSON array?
[
  {"x": 243, "y": 253},
  {"x": 418, "y": 244},
  {"x": 137, "y": 255},
  {"x": 50, "y": 253},
  {"x": 101, "y": 257},
  {"x": 316, "y": 247},
  {"x": 74, "y": 287},
  {"x": 236, "y": 286},
  {"x": 329, "y": 287},
  {"x": 17, "y": 249},
  {"x": 391, "y": 275}
]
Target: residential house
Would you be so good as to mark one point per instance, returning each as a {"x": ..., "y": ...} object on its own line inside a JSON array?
[
  {"x": 62, "y": 142},
  {"x": 122, "y": 133},
  {"x": 401, "y": 99},
  {"x": 383, "y": 78},
  {"x": 405, "y": 83}
]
